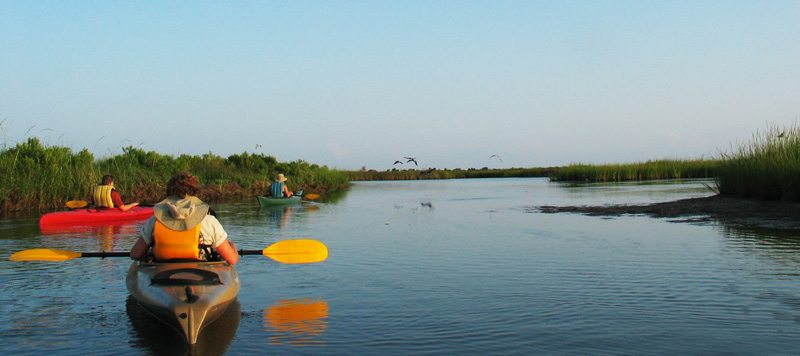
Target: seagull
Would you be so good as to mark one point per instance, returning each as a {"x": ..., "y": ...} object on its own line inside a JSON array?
[
  {"x": 411, "y": 159},
  {"x": 396, "y": 162},
  {"x": 495, "y": 156}
]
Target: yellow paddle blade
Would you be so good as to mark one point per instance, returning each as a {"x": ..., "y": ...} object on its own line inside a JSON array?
[
  {"x": 297, "y": 251},
  {"x": 44, "y": 254},
  {"x": 311, "y": 196},
  {"x": 76, "y": 204}
]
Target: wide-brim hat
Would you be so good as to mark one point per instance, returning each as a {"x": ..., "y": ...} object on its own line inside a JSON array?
[
  {"x": 280, "y": 178},
  {"x": 180, "y": 214}
]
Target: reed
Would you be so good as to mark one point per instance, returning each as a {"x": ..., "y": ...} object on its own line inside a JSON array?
[
  {"x": 640, "y": 171},
  {"x": 35, "y": 176},
  {"x": 766, "y": 168}
]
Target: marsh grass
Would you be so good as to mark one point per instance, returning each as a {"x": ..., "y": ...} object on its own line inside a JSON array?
[
  {"x": 640, "y": 171},
  {"x": 35, "y": 176},
  {"x": 766, "y": 168}
]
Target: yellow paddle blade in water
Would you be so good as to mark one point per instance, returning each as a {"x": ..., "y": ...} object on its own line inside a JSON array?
[
  {"x": 311, "y": 196},
  {"x": 44, "y": 254},
  {"x": 76, "y": 204},
  {"x": 297, "y": 251}
]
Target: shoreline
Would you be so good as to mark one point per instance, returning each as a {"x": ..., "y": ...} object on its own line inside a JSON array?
[{"x": 740, "y": 212}]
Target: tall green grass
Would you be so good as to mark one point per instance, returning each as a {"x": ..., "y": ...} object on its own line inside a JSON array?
[
  {"x": 640, "y": 171},
  {"x": 36, "y": 176},
  {"x": 767, "y": 168}
]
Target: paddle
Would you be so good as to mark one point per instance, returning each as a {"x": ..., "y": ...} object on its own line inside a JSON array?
[
  {"x": 77, "y": 204},
  {"x": 286, "y": 251},
  {"x": 309, "y": 196}
]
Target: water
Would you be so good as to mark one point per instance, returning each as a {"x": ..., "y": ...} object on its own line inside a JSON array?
[{"x": 434, "y": 267}]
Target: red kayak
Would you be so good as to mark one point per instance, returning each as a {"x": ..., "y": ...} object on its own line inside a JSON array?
[{"x": 94, "y": 216}]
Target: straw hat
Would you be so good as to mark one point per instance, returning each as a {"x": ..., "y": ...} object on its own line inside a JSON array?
[
  {"x": 180, "y": 214},
  {"x": 280, "y": 178}
]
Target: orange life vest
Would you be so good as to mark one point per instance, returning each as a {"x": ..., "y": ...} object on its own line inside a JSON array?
[{"x": 176, "y": 245}]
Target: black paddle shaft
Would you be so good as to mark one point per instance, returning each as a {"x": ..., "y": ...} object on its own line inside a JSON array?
[{"x": 105, "y": 254}]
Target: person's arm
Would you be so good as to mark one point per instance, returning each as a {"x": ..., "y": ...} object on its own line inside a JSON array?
[
  {"x": 227, "y": 250},
  {"x": 127, "y": 207},
  {"x": 139, "y": 249},
  {"x": 286, "y": 192},
  {"x": 117, "y": 200}
]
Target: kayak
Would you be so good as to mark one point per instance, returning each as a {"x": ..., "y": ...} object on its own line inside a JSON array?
[
  {"x": 160, "y": 339},
  {"x": 267, "y": 201},
  {"x": 94, "y": 216},
  {"x": 187, "y": 296}
]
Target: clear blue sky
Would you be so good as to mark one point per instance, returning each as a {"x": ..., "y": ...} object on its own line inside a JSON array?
[{"x": 363, "y": 83}]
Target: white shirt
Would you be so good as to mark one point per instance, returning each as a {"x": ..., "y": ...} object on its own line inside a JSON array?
[{"x": 211, "y": 231}]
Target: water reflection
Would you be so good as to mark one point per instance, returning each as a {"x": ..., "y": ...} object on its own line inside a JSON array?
[
  {"x": 779, "y": 245},
  {"x": 279, "y": 216},
  {"x": 110, "y": 236},
  {"x": 297, "y": 322},
  {"x": 160, "y": 339}
]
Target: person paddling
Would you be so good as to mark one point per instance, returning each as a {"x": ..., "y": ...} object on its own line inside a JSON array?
[
  {"x": 182, "y": 229},
  {"x": 106, "y": 196},
  {"x": 278, "y": 189}
]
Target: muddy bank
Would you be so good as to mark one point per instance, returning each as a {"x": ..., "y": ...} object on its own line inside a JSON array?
[{"x": 728, "y": 210}]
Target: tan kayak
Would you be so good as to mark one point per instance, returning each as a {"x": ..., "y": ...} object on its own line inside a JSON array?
[{"x": 185, "y": 295}]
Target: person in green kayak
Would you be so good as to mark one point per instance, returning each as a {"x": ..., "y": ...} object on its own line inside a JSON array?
[
  {"x": 278, "y": 189},
  {"x": 182, "y": 229},
  {"x": 105, "y": 196}
]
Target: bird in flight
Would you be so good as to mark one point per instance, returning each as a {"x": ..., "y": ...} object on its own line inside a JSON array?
[
  {"x": 781, "y": 134},
  {"x": 258, "y": 145},
  {"x": 396, "y": 162},
  {"x": 495, "y": 156},
  {"x": 411, "y": 159}
]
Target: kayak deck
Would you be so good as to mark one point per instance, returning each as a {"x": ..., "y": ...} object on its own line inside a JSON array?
[
  {"x": 185, "y": 295},
  {"x": 95, "y": 216},
  {"x": 267, "y": 201}
]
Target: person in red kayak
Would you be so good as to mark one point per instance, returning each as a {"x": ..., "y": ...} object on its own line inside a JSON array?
[
  {"x": 182, "y": 229},
  {"x": 105, "y": 196}
]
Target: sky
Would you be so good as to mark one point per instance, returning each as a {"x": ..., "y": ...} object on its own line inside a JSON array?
[{"x": 361, "y": 84}]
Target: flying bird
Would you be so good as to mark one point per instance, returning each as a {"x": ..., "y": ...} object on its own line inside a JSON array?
[
  {"x": 495, "y": 156},
  {"x": 396, "y": 162},
  {"x": 411, "y": 159},
  {"x": 781, "y": 134},
  {"x": 258, "y": 145}
]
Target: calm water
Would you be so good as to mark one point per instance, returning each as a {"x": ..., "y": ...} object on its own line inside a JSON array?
[{"x": 434, "y": 267}]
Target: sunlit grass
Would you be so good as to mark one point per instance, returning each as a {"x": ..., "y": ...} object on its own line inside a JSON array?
[
  {"x": 640, "y": 171},
  {"x": 768, "y": 167},
  {"x": 35, "y": 176}
]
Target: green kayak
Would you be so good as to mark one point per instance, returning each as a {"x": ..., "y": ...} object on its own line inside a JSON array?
[{"x": 267, "y": 201}]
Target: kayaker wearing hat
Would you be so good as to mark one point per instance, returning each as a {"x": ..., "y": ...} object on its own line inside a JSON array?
[
  {"x": 181, "y": 228},
  {"x": 278, "y": 188}
]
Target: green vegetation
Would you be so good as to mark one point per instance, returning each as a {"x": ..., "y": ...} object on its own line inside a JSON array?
[
  {"x": 766, "y": 168},
  {"x": 35, "y": 176},
  {"x": 650, "y": 170}
]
